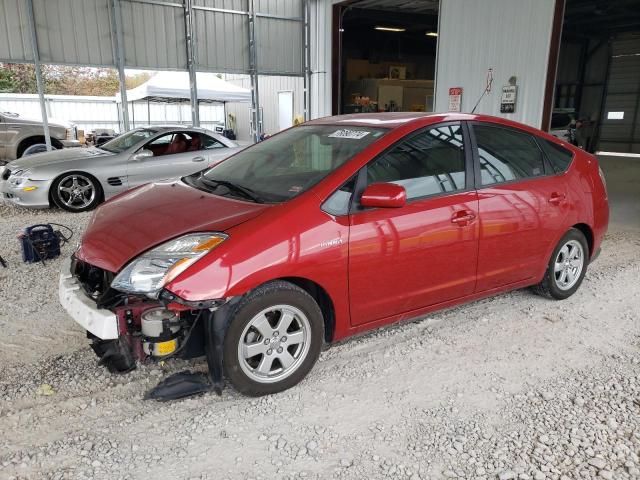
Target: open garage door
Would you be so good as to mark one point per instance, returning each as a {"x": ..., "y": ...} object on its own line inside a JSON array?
[
  {"x": 597, "y": 91},
  {"x": 620, "y": 131},
  {"x": 384, "y": 55}
]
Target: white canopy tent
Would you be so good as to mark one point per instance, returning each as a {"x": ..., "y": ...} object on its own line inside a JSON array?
[{"x": 174, "y": 87}]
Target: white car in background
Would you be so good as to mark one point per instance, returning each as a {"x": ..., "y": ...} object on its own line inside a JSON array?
[
  {"x": 21, "y": 136},
  {"x": 78, "y": 179}
]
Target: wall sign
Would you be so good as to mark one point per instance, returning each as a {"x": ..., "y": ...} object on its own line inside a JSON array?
[
  {"x": 455, "y": 99},
  {"x": 508, "y": 100}
]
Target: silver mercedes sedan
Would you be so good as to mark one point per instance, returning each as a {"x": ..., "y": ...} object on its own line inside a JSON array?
[{"x": 79, "y": 179}]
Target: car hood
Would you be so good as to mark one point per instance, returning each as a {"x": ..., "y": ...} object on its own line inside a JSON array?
[
  {"x": 58, "y": 156},
  {"x": 139, "y": 219},
  {"x": 53, "y": 122}
]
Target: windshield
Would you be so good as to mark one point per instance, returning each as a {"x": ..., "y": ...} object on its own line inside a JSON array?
[
  {"x": 286, "y": 164},
  {"x": 127, "y": 140}
]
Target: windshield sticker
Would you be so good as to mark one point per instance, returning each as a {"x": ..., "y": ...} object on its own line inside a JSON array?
[{"x": 352, "y": 134}]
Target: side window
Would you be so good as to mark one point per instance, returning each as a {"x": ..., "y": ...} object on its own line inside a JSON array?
[
  {"x": 205, "y": 142},
  {"x": 506, "y": 155},
  {"x": 338, "y": 203},
  {"x": 558, "y": 156},
  {"x": 428, "y": 162},
  {"x": 170, "y": 144}
]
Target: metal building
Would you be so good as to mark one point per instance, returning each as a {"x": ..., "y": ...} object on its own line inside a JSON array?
[{"x": 254, "y": 37}]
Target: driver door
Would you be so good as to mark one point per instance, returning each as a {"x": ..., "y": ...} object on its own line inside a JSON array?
[
  {"x": 172, "y": 158},
  {"x": 424, "y": 253}
]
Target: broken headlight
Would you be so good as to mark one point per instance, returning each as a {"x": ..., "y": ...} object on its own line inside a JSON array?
[{"x": 151, "y": 271}]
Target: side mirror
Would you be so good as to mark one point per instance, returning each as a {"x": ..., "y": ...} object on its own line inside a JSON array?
[
  {"x": 384, "y": 195},
  {"x": 141, "y": 155}
]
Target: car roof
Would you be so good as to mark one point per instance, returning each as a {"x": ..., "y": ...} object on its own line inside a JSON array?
[
  {"x": 398, "y": 119},
  {"x": 169, "y": 128},
  {"x": 393, "y": 120},
  {"x": 387, "y": 119}
]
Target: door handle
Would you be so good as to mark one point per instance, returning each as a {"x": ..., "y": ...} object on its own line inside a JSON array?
[
  {"x": 556, "y": 198},
  {"x": 197, "y": 159},
  {"x": 463, "y": 218}
]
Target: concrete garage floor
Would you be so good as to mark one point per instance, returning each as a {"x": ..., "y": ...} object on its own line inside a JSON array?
[
  {"x": 623, "y": 181},
  {"x": 514, "y": 386}
]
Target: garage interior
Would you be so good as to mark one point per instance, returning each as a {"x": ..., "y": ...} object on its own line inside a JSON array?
[
  {"x": 598, "y": 76},
  {"x": 385, "y": 55}
]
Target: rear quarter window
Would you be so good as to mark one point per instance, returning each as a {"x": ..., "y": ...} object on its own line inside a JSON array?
[{"x": 559, "y": 157}]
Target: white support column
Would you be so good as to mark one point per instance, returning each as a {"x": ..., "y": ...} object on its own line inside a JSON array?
[
  {"x": 38, "y": 69},
  {"x": 118, "y": 52},
  {"x": 253, "y": 67},
  {"x": 191, "y": 67},
  {"x": 307, "y": 60}
]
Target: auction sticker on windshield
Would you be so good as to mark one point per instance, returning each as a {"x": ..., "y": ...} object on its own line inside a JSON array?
[{"x": 352, "y": 134}]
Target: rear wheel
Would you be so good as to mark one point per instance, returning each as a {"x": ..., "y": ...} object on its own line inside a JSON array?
[
  {"x": 567, "y": 267},
  {"x": 273, "y": 340},
  {"x": 76, "y": 192}
]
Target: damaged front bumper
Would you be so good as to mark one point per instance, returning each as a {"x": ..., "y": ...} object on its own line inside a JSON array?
[
  {"x": 125, "y": 329},
  {"x": 101, "y": 323}
]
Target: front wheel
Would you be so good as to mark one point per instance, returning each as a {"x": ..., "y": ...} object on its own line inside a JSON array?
[
  {"x": 273, "y": 340},
  {"x": 76, "y": 192},
  {"x": 567, "y": 267}
]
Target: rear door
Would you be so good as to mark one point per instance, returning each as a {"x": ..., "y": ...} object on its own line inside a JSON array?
[
  {"x": 403, "y": 259},
  {"x": 522, "y": 205}
]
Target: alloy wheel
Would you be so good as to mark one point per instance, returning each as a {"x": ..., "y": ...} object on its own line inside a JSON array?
[
  {"x": 569, "y": 264},
  {"x": 274, "y": 343},
  {"x": 76, "y": 191}
]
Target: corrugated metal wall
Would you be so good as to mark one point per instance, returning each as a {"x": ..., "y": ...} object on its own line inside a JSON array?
[
  {"x": 74, "y": 31},
  {"x": 154, "y": 36},
  {"x": 280, "y": 42},
  {"x": 510, "y": 36},
  {"x": 622, "y": 95},
  {"x": 269, "y": 87},
  {"x": 213, "y": 28},
  {"x": 15, "y": 43},
  {"x": 79, "y": 32}
]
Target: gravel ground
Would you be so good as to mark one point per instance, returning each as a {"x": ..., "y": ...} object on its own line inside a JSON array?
[{"x": 515, "y": 386}]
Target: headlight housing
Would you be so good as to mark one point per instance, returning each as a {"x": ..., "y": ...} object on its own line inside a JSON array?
[
  {"x": 151, "y": 271},
  {"x": 18, "y": 177}
]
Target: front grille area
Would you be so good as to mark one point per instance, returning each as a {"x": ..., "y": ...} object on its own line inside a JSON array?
[{"x": 96, "y": 283}]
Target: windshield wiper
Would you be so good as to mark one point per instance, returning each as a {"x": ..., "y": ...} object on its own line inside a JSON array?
[{"x": 244, "y": 191}]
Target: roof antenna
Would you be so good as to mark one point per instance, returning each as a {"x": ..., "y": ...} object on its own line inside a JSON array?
[{"x": 487, "y": 89}]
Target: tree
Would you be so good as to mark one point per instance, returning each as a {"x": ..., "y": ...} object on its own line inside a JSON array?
[
  {"x": 65, "y": 80},
  {"x": 7, "y": 83}
]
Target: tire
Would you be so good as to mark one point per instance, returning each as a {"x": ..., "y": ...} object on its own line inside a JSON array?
[
  {"x": 76, "y": 192},
  {"x": 567, "y": 267},
  {"x": 36, "y": 148},
  {"x": 33, "y": 145},
  {"x": 279, "y": 357}
]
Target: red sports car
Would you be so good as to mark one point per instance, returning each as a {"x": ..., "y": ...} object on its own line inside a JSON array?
[{"x": 328, "y": 229}]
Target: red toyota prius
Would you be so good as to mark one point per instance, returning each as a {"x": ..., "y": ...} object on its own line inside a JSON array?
[{"x": 329, "y": 229}]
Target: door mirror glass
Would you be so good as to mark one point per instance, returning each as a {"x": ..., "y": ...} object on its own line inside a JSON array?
[
  {"x": 142, "y": 154},
  {"x": 384, "y": 195}
]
